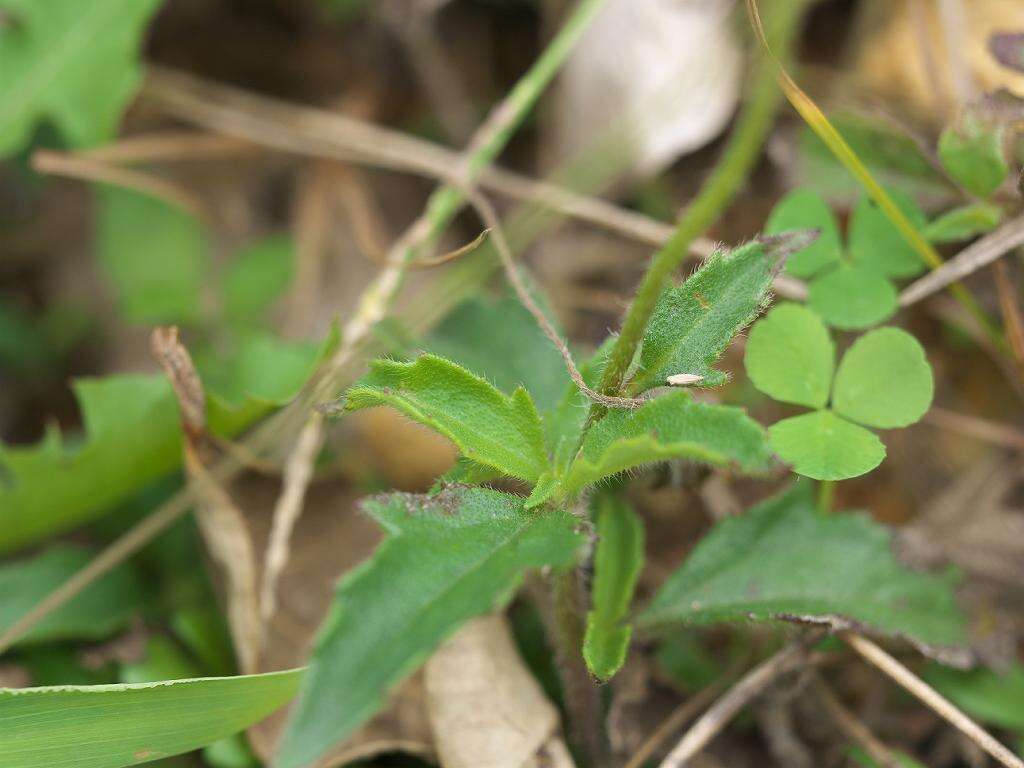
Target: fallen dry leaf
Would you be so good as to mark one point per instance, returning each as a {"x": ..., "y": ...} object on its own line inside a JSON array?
[
  {"x": 902, "y": 54},
  {"x": 486, "y": 708}
]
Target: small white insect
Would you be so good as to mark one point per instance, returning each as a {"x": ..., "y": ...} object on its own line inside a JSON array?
[{"x": 684, "y": 379}]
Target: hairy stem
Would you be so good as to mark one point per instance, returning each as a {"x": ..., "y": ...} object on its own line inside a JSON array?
[
  {"x": 738, "y": 158},
  {"x": 582, "y": 696}
]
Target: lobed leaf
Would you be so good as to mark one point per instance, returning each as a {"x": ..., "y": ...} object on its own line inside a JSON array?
[
  {"x": 694, "y": 322},
  {"x": 852, "y": 297},
  {"x": 448, "y": 557},
  {"x": 72, "y": 64},
  {"x": 50, "y": 489},
  {"x": 884, "y": 380},
  {"x": 972, "y": 154},
  {"x": 669, "y": 427},
  {"x": 790, "y": 356},
  {"x": 618, "y": 560},
  {"x": 488, "y": 426},
  {"x": 155, "y": 256},
  {"x": 101, "y": 609},
  {"x": 824, "y": 446},
  {"x": 785, "y": 560},
  {"x": 132, "y": 437},
  {"x": 876, "y": 244},
  {"x": 108, "y": 726},
  {"x": 499, "y": 340},
  {"x": 806, "y": 209}
]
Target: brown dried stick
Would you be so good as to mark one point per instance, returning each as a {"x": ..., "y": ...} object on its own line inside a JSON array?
[{"x": 932, "y": 698}]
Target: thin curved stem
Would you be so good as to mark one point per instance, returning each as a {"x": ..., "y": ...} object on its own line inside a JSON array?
[{"x": 738, "y": 159}]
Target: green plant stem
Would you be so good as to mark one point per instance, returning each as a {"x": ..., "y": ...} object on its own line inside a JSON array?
[
  {"x": 582, "y": 696},
  {"x": 486, "y": 144},
  {"x": 737, "y": 161},
  {"x": 826, "y": 493}
]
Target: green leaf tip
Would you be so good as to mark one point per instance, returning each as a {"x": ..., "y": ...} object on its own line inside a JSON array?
[
  {"x": 618, "y": 561},
  {"x": 783, "y": 559},
  {"x": 109, "y": 726},
  {"x": 693, "y": 322},
  {"x": 488, "y": 426},
  {"x": 448, "y": 557}
]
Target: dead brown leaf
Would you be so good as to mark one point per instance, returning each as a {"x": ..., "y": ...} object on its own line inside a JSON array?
[{"x": 486, "y": 708}]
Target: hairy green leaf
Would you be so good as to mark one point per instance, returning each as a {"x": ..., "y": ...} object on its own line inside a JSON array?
[
  {"x": 669, "y": 427},
  {"x": 964, "y": 222},
  {"x": 805, "y": 209},
  {"x": 694, "y": 322},
  {"x": 851, "y": 297},
  {"x": 987, "y": 695},
  {"x": 448, "y": 557},
  {"x": 876, "y": 243},
  {"x": 499, "y": 340},
  {"x": 617, "y": 564},
  {"x": 258, "y": 275},
  {"x": 108, "y": 726},
  {"x": 489, "y": 427},
  {"x": 156, "y": 257},
  {"x": 132, "y": 437},
  {"x": 790, "y": 356},
  {"x": 825, "y": 446},
  {"x": 104, "y": 607},
  {"x": 884, "y": 380},
  {"x": 74, "y": 64},
  {"x": 783, "y": 559},
  {"x": 972, "y": 153}
]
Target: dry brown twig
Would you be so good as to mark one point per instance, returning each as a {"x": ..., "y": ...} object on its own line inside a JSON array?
[
  {"x": 852, "y": 727},
  {"x": 680, "y": 716},
  {"x": 972, "y": 258},
  {"x": 1009, "y": 305},
  {"x": 978, "y": 428},
  {"x": 222, "y": 524},
  {"x": 749, "y": 687},
  {"x": 90, "y": 169},
  {"x": 914, "y": 685},
  {"x": 490, "y": 217}
]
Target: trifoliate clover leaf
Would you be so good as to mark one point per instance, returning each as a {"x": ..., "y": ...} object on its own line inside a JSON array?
[
  {"x": 805, "y": 209},
  {"x": 850, "y": 288},
  {"x": 790, "y": 356},
  {"x": 883, "y": 381},
  {"x": 876, "y": 243}
]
